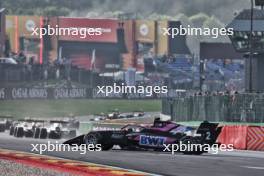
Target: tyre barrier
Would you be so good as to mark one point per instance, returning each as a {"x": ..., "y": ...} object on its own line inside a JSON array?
[{"x": 243, "y": 137}]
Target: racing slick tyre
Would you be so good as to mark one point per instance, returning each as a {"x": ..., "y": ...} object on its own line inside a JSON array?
[
  {"x": 43, "y": 133},
  {"x": 96, "y": 138},
  {"x": 2, "y": 127},
  {"x": 200, "y": 150},
  {"x": 8, "y": 125},
  {"x": 54, "y": 135},
  {"x": 15, "y": 131},
  {"x": 11, "y": 130},
  {"x": 19, "y": 132},
  {"x": 189, "y": 142},
  {"x": 29, "y": 134},
  {"x": 36, "y": 133}
]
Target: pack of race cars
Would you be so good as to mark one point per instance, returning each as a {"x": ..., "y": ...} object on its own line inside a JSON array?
[
  {"x": 115, "y": 114},
  {"x": 41, "y": 129}
]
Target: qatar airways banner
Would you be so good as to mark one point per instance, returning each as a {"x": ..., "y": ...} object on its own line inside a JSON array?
[
  {"x": 19, "y": 93},
  {"x": 87, "y": 30},
  {"x": 22, "y": 93}
]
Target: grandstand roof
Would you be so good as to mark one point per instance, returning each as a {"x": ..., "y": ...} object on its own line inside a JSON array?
[{"x": 218, "y": 51}]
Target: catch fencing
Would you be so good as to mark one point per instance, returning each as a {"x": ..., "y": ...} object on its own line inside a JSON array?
[{"x": 228, "y": 108}]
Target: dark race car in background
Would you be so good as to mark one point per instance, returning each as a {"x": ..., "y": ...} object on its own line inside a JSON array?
[
  {"x": 43, "y": 129},
  {"x": 5, "y": 123},
  {"x": 156, "y": 137}
]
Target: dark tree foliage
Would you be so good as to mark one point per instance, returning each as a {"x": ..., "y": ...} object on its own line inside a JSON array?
[{"x": 43, "y": 7}]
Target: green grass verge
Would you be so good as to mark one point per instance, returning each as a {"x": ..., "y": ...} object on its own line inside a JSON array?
[{"x": 58, "y": 108}]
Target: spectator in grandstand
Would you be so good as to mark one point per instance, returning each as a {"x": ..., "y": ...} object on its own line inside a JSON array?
[
  {"x": 68, "y": 65},
  {"x": 170, "y": 59},
  {"x": 29, "y": 67},
  {"x": 7, "y": 46},
  {"x": 22, "y": 57},
  {"x": 31, "y": 60},
  {"x": 59, "y": 64},
  {"x": 163, "y": 58}
]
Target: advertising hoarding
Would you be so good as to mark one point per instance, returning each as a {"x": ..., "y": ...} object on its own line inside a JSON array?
[
  {"x": 145, "y": 31},
  {"x": 108, "y": 29}
]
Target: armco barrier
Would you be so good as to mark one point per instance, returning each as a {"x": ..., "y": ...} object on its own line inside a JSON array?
[{"x": 243, "y": 137}]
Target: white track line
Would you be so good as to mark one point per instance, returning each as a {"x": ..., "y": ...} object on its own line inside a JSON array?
[{"x": 253, "y": 167}]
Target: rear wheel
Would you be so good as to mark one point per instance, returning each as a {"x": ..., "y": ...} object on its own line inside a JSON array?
[
  {"x": 43, "y": 133},
  {"x": 15, "y": 131},
  {"x": 36, "y": 133},
  {"x": 12, "y": 130},
  {"x": 19, "y": 132},
  {"x": 191, "y": 148}
]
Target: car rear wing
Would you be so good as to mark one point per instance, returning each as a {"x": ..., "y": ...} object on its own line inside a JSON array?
[
  {"x": 31, "y": 120},
  {"x": 209, "y": 131}
]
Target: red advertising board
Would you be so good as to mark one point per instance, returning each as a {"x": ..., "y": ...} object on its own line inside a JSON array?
[
  {"x": 107, "y": 26},
  {"x": 2, "y": 31}
]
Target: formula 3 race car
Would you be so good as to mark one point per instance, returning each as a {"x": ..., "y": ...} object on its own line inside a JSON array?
[
  {"x": 155, "y": 137},
  {"x": 53, "y": 129},
  {"x": 5, "y": 123}
]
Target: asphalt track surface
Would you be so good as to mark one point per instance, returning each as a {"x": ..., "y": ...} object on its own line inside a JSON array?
[{"x": 236, "y": 163}]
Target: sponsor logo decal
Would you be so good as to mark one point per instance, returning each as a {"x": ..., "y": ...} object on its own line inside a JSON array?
[
  {"x": 144, "y": 30},
  {"x": 30, "y": 25},
  {"x": 152, "y": 140}
]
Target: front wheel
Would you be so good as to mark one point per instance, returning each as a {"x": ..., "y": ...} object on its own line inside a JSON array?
[
  {"x": 95, "y": 139},
  {"x": 19, "y": 132}
]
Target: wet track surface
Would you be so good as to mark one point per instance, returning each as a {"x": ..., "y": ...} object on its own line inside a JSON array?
[{"x": 238, "y": 163}]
